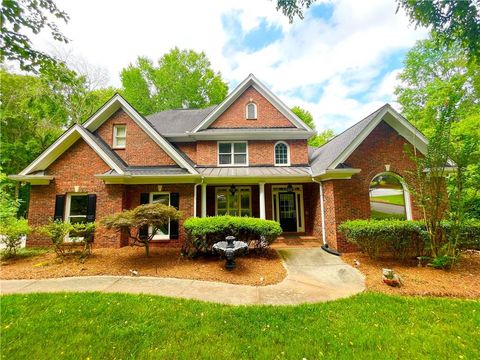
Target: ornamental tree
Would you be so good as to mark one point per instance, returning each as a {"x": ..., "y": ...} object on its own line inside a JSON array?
[{"x": 142, "y": 223}]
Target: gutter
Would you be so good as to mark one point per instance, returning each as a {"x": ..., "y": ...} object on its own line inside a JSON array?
[
  {"x": 322, "y": 211},
  {"x": 195, "y": 197}
]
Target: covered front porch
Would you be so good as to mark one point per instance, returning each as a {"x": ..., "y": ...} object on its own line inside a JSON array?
[{"x": 292, "y": 204}]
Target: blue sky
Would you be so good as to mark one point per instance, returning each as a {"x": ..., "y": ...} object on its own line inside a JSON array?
[{"x": 340, "y": 62}]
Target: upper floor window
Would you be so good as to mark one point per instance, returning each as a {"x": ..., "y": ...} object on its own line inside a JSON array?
[
  {"x": 119, "y": 136},
  {"x": 282, "y": 153},
  {"x": 232, "y": 153},
  {"x": 251, "y": 111}
]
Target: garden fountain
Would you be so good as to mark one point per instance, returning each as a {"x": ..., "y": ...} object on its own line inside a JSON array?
[{"x": 230, "y": 249}]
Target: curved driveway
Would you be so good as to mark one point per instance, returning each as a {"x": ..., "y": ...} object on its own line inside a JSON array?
[{"x": 312, "y": 276}]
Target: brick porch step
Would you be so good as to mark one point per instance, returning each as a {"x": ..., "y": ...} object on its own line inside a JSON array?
[{"x": 286, "y": 241}]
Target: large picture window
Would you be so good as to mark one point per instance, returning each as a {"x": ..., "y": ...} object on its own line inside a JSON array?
[
  {"x": 235, "y": 201},
  {"x": 232, "y": 153}
]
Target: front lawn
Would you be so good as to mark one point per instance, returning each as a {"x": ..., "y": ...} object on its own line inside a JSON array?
[
  {"x": 389, "y": 199},
  {"x": 120, "y": 326}
]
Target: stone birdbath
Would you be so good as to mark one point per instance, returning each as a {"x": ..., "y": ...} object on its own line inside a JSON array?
[{"x": 230, "y": 248}]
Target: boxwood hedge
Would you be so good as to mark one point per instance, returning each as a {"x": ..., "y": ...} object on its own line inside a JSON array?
[
  {"x": 202, "y": 233},
  {"x": 403, "y": 238}
]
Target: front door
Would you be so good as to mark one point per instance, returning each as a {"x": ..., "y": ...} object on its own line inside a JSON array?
[{"x": 287, "y": 211}]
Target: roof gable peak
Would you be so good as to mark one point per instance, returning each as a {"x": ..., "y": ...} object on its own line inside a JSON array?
[{"x": 251, "y": 80}]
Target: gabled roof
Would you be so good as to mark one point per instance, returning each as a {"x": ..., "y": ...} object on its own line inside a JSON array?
[
  {"x": 64, "y": 142},
  {"x": 117, "y": 102},
  {"x": 251, "y": 80},
  {"x": 335, "y": 152}
]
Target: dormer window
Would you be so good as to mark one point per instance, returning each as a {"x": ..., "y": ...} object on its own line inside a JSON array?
[
  {"x": 251, "y": 111},
  {"x": 119, "y": 136},
  {"x": 282, "y": 154}
]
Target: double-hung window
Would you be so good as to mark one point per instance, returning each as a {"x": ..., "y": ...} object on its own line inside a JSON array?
[
  {"x": 232, "y": 153},
  {"x": 119, "y": 136},
  {"x": 161, "y": 198}
]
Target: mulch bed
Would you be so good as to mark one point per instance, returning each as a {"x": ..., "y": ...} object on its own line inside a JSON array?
[
  {"x": 462, "y": 281},
  {"x": 253, "y": 269}
]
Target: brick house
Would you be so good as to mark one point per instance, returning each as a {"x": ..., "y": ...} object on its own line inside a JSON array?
[{"x": 247, "y": 156}]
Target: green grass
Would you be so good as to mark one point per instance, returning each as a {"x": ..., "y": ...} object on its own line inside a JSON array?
[
  {"x": 381, "y": 215},
  {"x": 24, "y": 253},
  {"x": 389, "y": 199},
  {"x": 120, "y": 326}
]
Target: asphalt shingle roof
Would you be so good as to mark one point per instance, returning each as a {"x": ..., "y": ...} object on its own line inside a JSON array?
[
  {"x": 178, "y": 121},
  {"x": 322, "y": 157}
]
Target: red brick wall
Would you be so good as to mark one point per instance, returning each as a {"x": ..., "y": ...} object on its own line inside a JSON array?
[
  {"x": 185, "y": 193},
  {"x": 267, "y": 115},
  {"x": 190, "y": 149},
  {"x": 260, "y": 152},
  {"x": 76, "y": 167},
  {"x": 140, "y": 149},
  {"x": 349, "y": 199}
]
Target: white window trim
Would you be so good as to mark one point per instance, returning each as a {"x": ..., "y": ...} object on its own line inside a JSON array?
[
  {"x": 150, "y": 201},
  {"x": 275, "y": 153},
  {"x": 255, "y": 116},
  {"x": 298, "y": 190},
  {"x": 66, "y": 215},
  {"x": 231, "y": 147},
  {"x": 227, "y": 189},
  {"x": 115, "y": 137}
]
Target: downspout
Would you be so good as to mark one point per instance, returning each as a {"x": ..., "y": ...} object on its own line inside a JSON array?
[
  {"x": 195, "y": 197},
  {"x": 322, "y": 211}
]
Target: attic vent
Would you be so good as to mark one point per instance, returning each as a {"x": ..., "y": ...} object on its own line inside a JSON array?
[{"x": 251, "y": 111}]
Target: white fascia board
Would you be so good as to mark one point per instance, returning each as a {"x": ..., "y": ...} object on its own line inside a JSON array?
[
  {"x": 336, "y": 174},
  {"x": 251, "y": 80},
  {"x": 32, "y": 179},
  {"x": 253, "y": 135},
  {"x": 115, "y": 103},
  {"x": 255, "y": 179},
  {"x": 62, "y": 144},
  {"x": 446, "y": 170},
  {"x": 149, "y": 179},
  {"x": 397, "y": 122}
]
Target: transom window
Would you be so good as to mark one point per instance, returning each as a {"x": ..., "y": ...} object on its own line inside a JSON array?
[
  {"x": 232, "y": 153},
  {"x": 282, "y": 154},
  {"x": 119, "y": 136},
  {"x": 251, "y": 111},
  {"x": 235, "y": 201}
]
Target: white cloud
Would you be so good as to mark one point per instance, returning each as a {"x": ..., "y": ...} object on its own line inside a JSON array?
[{"x": 344, "y": 56}]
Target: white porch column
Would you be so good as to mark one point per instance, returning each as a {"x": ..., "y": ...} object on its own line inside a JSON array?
[
  {"x": 204, "y": 201},
  {"x": 261, "y": 187}
]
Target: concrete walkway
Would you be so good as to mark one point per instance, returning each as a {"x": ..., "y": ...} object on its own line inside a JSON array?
[{"x": 312, "y": 276}]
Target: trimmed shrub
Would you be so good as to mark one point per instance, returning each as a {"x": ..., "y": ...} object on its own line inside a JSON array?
[
  {"x": 12, "y": 230},
  {"x": 398, "y": 237},
  {"x": 403, "y": 238},
  {"x": 80, "y": 234},
  {"x": 202, "y": 233},
  {"x": 469, "y": 234}
]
